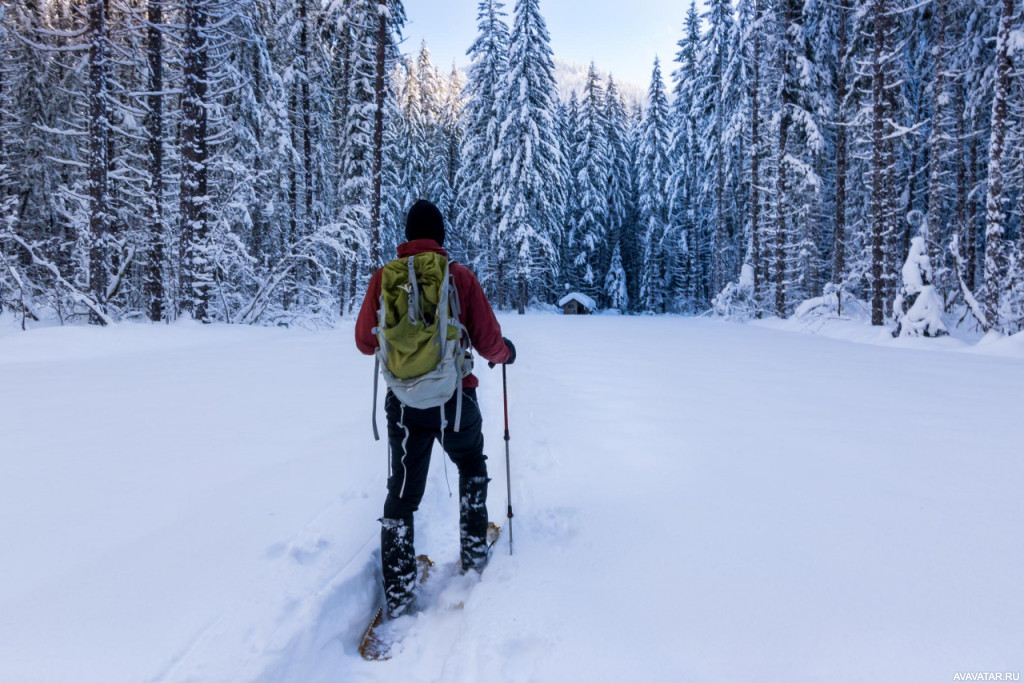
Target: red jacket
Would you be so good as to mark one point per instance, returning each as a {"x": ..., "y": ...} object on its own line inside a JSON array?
[{"x": 476, "y": 315}]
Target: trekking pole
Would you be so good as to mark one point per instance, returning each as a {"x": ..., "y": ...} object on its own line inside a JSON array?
[
  {"x": 508, "y": 466},
  {"x": 376, "y": 374}
]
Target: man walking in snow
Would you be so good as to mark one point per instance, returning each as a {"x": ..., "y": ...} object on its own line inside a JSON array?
[{"x": 412, "y": 431}]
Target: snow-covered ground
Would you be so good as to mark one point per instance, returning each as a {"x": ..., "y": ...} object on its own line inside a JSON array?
[{"x": 696, "y": 501}]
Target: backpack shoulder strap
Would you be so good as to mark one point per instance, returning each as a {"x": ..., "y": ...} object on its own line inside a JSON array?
[{"x": 455, "y": 307}]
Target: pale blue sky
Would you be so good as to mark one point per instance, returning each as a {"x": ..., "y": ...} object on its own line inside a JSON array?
[{"x": 621, "y": 36}]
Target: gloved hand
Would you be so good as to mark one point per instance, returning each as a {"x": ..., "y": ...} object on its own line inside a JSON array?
[{"x": 511, "y": 353}]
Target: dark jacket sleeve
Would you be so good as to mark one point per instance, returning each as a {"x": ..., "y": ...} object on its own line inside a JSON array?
[
  {"x": 478, "y": 317},
  {"x": 366, "y": 340}
]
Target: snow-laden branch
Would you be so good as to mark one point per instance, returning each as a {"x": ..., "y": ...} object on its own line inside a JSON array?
[
  {"x": 77, "y": 295},
  {"x": 972, "y": 304}
]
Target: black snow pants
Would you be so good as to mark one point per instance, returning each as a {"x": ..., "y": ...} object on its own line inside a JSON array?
[{"x": 411, "y": 436}]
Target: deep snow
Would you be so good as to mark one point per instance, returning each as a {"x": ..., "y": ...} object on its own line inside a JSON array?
[{"x": 696, "y": 500}]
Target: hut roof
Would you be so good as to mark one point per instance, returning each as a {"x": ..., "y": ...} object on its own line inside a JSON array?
[{"x": 582, "y": 298}]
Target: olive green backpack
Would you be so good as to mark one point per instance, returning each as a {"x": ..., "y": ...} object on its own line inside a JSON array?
[{"x": 419, "y": 336}]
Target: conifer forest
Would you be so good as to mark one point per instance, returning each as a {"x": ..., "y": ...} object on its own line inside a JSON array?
[{"x": 251, "y": 161}]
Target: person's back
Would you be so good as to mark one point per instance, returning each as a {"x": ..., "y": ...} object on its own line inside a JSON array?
[{"x": 412, "y": 431}]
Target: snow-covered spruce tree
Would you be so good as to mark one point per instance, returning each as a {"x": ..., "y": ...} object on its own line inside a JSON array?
[
  {"x": 742, "y": 137},
  {"x": 86, "y": 141},
  {"x": 736, "y": 137},
  {"x": 796, "y": 181},
  {"x": 918, "y": 307},
  {"x": 567, "y": 117},
  {"x": 942, "y": 131},
  {"x": 255, "y": 167},
  {"x": 855, "y": 180},
  {"x": 301, "y": 235},
  {"x": 282, "y": 152},
  {"x": 393, "y": 192},
  {"x": 527, "y": 182},
  {"x": 587, "y": 233},
  {"x": 758, "y": 151},
  {"x": 820, "y": 37},
  {"x": 319, "y": 152},
  {"x": 412, "y": 147},
  {"x": 43, "y": 143},
  {"x": 15, "y": 292},
  {"x": 130, "y": 172},
  {"x": 877, "y": 18},
  {"x": 240, "y": 168},
  {"x": 622, "y": 230},
  {"x": 423, "y": 145},
  {"x": 995, "y": 212},
  {"x": 711, "y": 114},
  {"x": 304, "y": 81},
  {"x": 196, "y": 272},
  {"x": 434, "y": 97},
  {"x": 154, "y": 255},
  {"x": 355, "y": 97},
  {"x": 652, "y": 177},
  {"x": 479, "y": 207},
  {"x": 451, "y": 127},
  {"x": 427, "y": 136},
  {"x": 841, "y": 121},
  {"x": 633, "y": 239},
  {"x": 7, "y": 197},
  {"x": 97, "y": 240},
  {"x": 912, "y": 154},
  {"x": 368, "y": 30},
  {"x": 615, "y": 291},
  {"x": 389, "y": 18},
  {"x": 974, "y": 59},
  {"x": 1016, "y": 279},
  {"x": 692, "y": 283},
  {"x": 946, "y": 60}
]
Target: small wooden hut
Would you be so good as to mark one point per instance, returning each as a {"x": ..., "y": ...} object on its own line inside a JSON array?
[{"x": 575, "y": 303}]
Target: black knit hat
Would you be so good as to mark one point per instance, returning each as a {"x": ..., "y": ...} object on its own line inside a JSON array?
[{"x": 424, "y": 222}]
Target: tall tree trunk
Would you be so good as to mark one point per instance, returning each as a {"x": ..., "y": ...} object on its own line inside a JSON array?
[
  {"x": 937, "y": 141},
  {"x": 719, "y": 244},
  {"x": 839, "y": 239},
  {"x": 293, "y": 172},
  {"x": 346, "y": 284},
  {"x": 962, "y": 188},
  {"x": 303, "y": 273},
  {"x": 307, "y": 125},
  {"x": 523, "y": 294},
  {"x": 500, "y": 295},
  {"x": 972, "y": 219},
  {"x": 378, "y": 137},
  {"x": 995, "y": 267},
  {"x": 99, "y": 140},
  {"x": 879, "y": 159},
  {"x": 787, "y": 103},
  {"x": 755, "y": 160},
  {"x": 895, "y": 249},
  {"x": 154, "y": 277},
  {"x": 196, "y": 280}
]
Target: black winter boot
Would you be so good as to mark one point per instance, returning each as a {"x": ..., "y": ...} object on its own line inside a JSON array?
[
  {"x": 398, "y": 564},
  {"x": 473, "y": 522}
]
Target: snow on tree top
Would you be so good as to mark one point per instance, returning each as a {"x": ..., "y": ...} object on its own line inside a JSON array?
[{"x": 581, "y": 298}]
